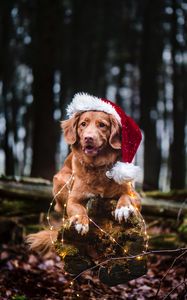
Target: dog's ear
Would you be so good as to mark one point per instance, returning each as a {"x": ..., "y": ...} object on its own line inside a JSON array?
[
  {"x": 115, "y": 139},
  {"x": 70, "y": 129}
]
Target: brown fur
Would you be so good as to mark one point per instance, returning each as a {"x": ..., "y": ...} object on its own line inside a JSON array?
[{"x": 95, "y": 141}]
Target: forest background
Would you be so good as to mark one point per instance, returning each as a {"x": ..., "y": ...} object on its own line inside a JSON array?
[{"x": 131, "y": 52}]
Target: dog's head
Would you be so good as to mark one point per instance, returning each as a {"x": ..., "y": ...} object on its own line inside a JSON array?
[{"x": 93, "y": 131}]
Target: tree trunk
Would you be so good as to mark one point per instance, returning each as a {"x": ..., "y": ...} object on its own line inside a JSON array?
[
  {"x": 179, "y": 110},
  {"x": 151, "y": 58},
  {"x": 6, "y": 71},
  {"x": 44, "y": 49}
]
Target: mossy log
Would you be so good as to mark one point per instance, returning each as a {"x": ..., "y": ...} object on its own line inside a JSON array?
[
  {"x": 40, "y": 191},
  {"x": 177, "y": 195},
  {"x": 105, "y": 241},
  {"x": 25, "y": 188},
  {"x": 166, "y": 241},
  {"x": 163, "y": 208}
]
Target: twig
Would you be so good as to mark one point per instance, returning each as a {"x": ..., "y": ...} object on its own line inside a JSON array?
[
  {"x": 133, "y": 257},
  {"x": 171, "y": 266},
  {"x": 153, "y": 223},
  {"x": 176, "y": 287}
]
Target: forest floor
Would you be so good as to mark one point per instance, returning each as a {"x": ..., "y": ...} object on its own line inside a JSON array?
[{"x": 25, "y": 275}]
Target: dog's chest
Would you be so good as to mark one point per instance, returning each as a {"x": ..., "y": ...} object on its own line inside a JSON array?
[{"x": 99, "y": 185}]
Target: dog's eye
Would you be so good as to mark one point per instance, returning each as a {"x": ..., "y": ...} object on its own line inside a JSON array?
[
  {"x": 101, "y": 124},
  {"x": 83, "y": 124}
]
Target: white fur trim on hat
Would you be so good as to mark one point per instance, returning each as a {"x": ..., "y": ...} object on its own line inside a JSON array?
[
  {"x": 121, "y": 172},
  {"x": 85, "y": 102}
]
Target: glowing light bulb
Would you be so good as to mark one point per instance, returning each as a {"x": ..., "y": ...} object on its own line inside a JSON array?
[
  {"x": 139, "y": 257},
  {"x": 112, "y": 239}
]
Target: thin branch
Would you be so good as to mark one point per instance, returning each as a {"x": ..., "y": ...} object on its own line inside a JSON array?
[
  {"x": 134, "y": 257},
  {"x": 176, "y": 287},
  {"x": 171, "y": 266}
]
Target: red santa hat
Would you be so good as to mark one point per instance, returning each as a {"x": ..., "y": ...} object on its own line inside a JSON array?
[{"x": 131, "y": 134}]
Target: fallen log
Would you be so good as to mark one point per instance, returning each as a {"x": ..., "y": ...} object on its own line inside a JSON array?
[
  {"x": 40, "y": 191},
  {"x": 178, "y": 195},
  {"x": 163, "y": 208},
  {"x": 166, "y": 241},
  {"x": 23, "y": 188}
]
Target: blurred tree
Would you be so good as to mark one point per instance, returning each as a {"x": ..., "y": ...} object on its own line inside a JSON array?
[
  {"x": 179, "y": 99},
  {"x": 45, "y": 37},
  {"x": 6, "y": 74},
  {"x": 152, "y": 47}
]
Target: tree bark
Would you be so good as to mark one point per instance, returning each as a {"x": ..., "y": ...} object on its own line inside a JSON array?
[
  {"x": 6, "y": 71},
  {"x": 44, "y": 50},
  {"x": 179, "y": 110},
  {"x": 151, "y": 59}
]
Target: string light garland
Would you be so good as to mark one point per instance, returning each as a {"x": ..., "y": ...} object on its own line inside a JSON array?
[
  {"x": 69, "y": 185},
  {"x": 107, "y": 234},
  {"x": 146, "y": 236},
  {"x": 132, "y": 194}
]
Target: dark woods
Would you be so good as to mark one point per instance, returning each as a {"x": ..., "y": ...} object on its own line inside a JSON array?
[{"x": 134, "y": 52}]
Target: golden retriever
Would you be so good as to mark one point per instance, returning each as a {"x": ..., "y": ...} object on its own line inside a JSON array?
[{"x": 95, "y": 139}]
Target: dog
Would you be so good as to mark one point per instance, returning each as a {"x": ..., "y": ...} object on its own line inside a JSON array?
[
  {"x": 95, "y": 141},
  {"x": 95, "y": 138}
]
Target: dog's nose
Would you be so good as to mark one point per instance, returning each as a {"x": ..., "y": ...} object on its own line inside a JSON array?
[{"x": 88, "y": 139}]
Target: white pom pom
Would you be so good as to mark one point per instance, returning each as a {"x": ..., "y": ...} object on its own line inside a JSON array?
[{"x": 124, "y": 172}]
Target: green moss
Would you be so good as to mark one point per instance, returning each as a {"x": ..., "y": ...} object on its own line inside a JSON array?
[
  {"x": 65, "y": 249},
  {"x": 32, "y": 228},
  {"x": 19, "y": 297},
  {"x": 173, "y": 194},
  {"x": 18, "y": 207},
  {"x": 183, "y": 230}
]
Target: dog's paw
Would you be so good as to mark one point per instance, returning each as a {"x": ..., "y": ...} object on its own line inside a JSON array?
[
  {"x": 81, "y": 228},
  {"x": 123, "y": 212},
  {"x": 80, "y": 222}
]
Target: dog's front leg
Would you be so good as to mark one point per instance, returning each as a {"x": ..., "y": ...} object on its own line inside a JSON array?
[
  {"x": 127, "y": 204},
  {"x": 78, "y": 215},
  {"x": 124, "y": 208}
]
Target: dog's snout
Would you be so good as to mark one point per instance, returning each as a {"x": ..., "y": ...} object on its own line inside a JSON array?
[{"x": 88, "y": 139}]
